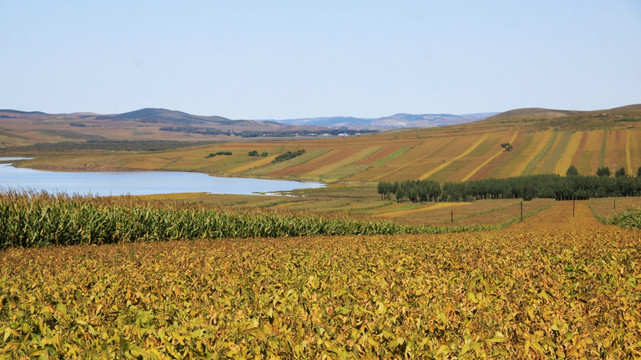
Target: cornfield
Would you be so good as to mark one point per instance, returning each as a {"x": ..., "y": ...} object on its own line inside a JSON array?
[{"x": 39, "y": 220}]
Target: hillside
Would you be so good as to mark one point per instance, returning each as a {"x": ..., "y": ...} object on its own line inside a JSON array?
[
  {"x": 26, "y": 128},
  {"x": 539, "y": 118},
  {"x": 21, "y": 128},
  {"x": 540, "y": 145}
]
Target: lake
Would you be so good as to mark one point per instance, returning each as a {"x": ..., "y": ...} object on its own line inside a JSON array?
[{"x": 137, "y": 182}]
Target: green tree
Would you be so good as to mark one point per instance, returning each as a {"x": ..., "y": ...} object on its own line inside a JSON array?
[
  {"x": 603, "y": 171},
  {"x": 639, "y": 172},
  {"x": 572, "y": 171},
  {"x": 620, "y": 172}
]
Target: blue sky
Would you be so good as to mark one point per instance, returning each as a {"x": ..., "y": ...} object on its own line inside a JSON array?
[{"x": 261, "y": 59}]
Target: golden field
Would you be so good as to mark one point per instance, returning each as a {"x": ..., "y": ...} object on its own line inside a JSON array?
[{"x": 554, "y": 286}]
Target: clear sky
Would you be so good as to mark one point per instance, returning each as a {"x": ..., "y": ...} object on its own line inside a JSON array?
[{"x": 259, "y": 59}]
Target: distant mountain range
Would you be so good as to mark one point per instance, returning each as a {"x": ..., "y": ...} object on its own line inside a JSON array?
[
  {"x": 388, "y": 122},
  {"x": 172, "y": 120},
  {"x": 26, "y": 128}
]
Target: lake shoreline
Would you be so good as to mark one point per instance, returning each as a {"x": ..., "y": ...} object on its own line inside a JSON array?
[
  {"x": 138, "y": 182},
  {"x": 23, "y": 164}
]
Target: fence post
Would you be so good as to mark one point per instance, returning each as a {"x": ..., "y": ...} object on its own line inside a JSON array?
[
  {"x": 521, "y": 211},
  {"x": 451, "y": 216},
  {"x": 573, "y": 200}
]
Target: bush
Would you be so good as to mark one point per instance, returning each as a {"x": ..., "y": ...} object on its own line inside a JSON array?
[
  {"x": 211, "y": 155},
  {"x": 289, "y": 155}
]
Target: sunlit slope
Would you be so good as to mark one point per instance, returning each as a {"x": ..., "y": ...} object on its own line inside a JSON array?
[{"x": 586, "y": 140}]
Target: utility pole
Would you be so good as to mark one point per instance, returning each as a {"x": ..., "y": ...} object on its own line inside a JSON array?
[{"x": 521, "y": 211}]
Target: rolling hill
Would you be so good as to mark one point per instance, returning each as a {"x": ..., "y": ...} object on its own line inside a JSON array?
[
  {"x": 24, "y": 128},
  {"x": 543, "y": 142},
  {"x": 20, "y": 128}
]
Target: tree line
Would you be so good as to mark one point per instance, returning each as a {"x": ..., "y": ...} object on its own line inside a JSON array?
[{"x": 525, "y": 187}]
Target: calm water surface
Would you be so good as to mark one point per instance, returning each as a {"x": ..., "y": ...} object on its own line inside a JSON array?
[{"x": 136, "y": 182}]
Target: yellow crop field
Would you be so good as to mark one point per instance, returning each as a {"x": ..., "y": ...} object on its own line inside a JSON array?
[
  {"x": 615, "y": 150},
  {"x": 497, "y": 154},
  {"x": 533, "y": 150},
  {"x": 554, "y": 286},
  {"x": 308, "y": 166},
  {"x": 589, "y": 156},
  {"x": 462, "y": 166},
  {"x": 274, "y": 169},
  {"x": 379, "y": 155},
  {"x": 634, "y": 149},
  {"x": 604, "y": 207},
  {"x": 254, "y": 164},
  {"x": 325, "y": 171},
  {"x": 410, "y": 161},
  {"x": 549, "y": 161},
  {"x": 506, "y": 164},
  {"x": 446, "y": 163},
  {"x": 565, "y": 160},
  {"x": 421, "y": 209}
]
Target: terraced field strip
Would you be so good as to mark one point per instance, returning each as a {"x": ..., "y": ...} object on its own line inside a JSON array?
[
  {"x": 543, "y": 149},
  {"x": 504, "y": 166},
  {"x": 628, "y": 155},
  {"x": 565, "y": 161},
  {"x": 255, "y": 164},
  {"x": 589, "y": 158},
  {"x": 393, "y": 155},
  {"x": 381, "y": 154},
  {"x": 603, "y": 146},
  {"x": 582, "y": 144},
  {"x": 304, "y": 167},
  {"x": 339, "y": 158},
  {"x": 635, "y": 150},
  {"x": 614, "y": 156},
  {"x": 497, "y": 154},
  {"x": 342, "y": 168},
  {"x": 461, "y": 167},
  {"x": 421, "y": 209},
  {"x": 373, "y": 167},
  {"x": 448, "y": 162},
  {"x": 548, "y": 163},
  {"x": 391, "y": 170},
  {"x": 276, "y": 167},
  {"x": 539, "y": 140}
]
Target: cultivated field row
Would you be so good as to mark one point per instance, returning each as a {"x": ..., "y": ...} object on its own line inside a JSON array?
[{"x": 420, "y": 154}]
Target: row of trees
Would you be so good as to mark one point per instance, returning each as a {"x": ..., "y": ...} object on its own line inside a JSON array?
[
  {"x": 288, "y": 155},
  {"x": 604, "y": 171},
  {"x": 526, "y": 187}
]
